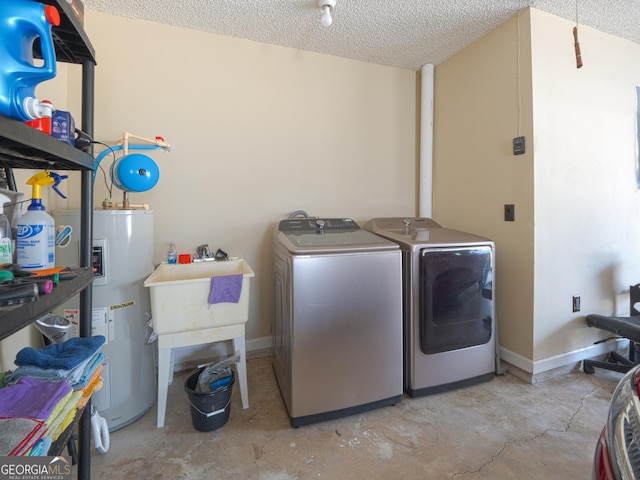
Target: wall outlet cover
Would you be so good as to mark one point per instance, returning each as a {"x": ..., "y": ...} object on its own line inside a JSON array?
[{"x": 518, "y": 146}]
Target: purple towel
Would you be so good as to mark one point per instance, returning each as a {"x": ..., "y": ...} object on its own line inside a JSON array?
[
  {"x": 32, "y": 398},
  {"x": 225, "y": 288},
  {"x": 66, "y": 355}
]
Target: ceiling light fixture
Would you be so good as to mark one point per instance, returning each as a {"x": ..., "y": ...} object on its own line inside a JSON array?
[{"x": 327, "y": 7}]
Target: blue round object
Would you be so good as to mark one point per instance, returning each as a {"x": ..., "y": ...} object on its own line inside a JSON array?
[{"x": 135, "y": 172}]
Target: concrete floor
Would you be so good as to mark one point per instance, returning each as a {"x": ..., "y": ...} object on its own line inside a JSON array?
[{"x": 503, "y": 429}]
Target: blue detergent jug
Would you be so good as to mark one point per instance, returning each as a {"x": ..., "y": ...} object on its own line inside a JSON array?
[{"x": 21, "y": 23}]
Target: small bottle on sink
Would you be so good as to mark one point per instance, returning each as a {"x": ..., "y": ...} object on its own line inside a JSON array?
[{"x": 172, "y": 257}]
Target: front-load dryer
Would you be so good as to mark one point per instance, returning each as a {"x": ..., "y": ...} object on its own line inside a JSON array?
[
  {"x": 448, "y": 304},
  {"x": 337, "y": 332}
]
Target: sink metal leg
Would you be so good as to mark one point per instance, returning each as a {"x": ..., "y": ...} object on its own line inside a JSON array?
[
  {"x": 172, "y": 365},
  {"x": 165, "y": 375},
  {"x": 239, "y": 346}
]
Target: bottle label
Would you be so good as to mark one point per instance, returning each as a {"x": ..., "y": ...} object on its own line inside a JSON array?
[
  {"x": 5, "y": 251},
  {"x": 30, "y": 231},
  {"x": 35, "y": 246}
]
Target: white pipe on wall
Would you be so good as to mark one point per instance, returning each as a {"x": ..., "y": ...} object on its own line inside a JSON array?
[{"x": 425, "y": 206}]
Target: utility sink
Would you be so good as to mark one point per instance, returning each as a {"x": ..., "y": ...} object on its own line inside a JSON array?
[{"x": 180, "y": 292}]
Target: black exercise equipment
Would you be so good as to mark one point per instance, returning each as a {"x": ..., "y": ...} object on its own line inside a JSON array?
[{"x": 626, "y": 327}]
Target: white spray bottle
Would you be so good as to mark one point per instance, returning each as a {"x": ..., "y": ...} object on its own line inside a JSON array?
[{"x": 35, "y": 243}]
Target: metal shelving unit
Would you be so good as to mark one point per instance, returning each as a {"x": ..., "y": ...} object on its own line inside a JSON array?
[
  {"x": 17, "y": 316},
  {"x": 24, "y": 147}
]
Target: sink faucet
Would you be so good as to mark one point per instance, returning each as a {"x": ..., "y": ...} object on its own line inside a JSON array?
[{"x": 203, "y": 254}]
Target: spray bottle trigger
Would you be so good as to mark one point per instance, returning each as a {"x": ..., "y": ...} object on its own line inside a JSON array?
[{"x": 56, "y": 181}]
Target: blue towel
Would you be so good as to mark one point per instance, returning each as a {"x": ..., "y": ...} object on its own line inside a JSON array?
[
  {"x": 41, "y": 448},
  {"x": 66, "y": 355},
  {"x": 225, "y": 288},
  {"x": 45, "y": 374},
  {"x": 74, "y": 376},
  {"x": 87, "y": 372}
]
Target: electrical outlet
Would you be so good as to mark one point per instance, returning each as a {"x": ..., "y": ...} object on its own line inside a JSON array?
[
  {"x": 518, "y": 146},
  {"x": 576, "y": 303},
  {"x": 509, "y": 213}
]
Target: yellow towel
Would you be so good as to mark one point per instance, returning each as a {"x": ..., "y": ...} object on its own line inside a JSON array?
[
  {"x": 67, "y": 420},
  {"x": 55, "y": 428},
  {"x": 57, "y": 409}
]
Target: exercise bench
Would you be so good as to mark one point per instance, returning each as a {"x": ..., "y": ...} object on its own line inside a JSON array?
[{"x": 626, "y": 327}]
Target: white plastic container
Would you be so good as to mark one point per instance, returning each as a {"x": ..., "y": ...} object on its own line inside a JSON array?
[
  {"x": 179, "y": 296},
  {"x": 35, "y": 242},
  {"x": 6, "y": 246},
  {"x": 6, "y": 250}
]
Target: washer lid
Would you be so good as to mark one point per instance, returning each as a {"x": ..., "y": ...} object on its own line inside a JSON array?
[
  {"x": 413, "y": 233},
  {"x": 317, "y": 225},
  {"x": 330, "y": 235}
]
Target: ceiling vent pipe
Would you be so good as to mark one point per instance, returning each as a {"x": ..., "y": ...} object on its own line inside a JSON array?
[{"x": 425, "y": 203}]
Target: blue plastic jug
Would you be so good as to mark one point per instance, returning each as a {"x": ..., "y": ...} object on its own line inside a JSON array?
[{"x": 21, "y": 23}]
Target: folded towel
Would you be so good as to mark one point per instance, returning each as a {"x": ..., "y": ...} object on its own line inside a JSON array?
[
  {"x": 66, "y": 355},
  {"x": 28, "y": 442},
  {"x": 95, "y": 384},
  {"x": 32, "y": 398},
  {"x": 87, "y": 372},
  {"x": 73, "y": 376},
  {"x": 44, "y": 374},
  {"x": 64, "y": 417},
  {"x": 225, "y": 288},
  {"x": 18, "y": 435},
  {"x": 41, "y": 448},
  {"x": 58, "y": 408}
]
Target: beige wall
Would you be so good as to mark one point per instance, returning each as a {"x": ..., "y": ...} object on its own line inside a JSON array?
[
  {"x": 574, "y": 190},
  {"x": 587, "y": 222},
  {"x": 258, "y": 132},
  {"x": 483, "y": 100}
]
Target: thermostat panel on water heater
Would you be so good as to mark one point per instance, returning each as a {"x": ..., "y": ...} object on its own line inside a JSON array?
[{"x": 100, "y": 262}]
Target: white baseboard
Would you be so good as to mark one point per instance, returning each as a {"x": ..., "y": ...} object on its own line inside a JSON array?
[
  {"x": 558, "y": 361},
  {"x": 261, "y": 343},
  {"x": 188, "y": 355}
]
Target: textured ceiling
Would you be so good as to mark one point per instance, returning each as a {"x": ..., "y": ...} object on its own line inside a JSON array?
[{"x": 398, "y": 33}]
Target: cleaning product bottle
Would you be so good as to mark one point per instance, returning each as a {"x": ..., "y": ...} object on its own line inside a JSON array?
[
  {"x": 35, "y": 244},
  {"x": 172, "y": 257},
  {"x": 44, "y": 121},
  {"x": 6, "y": 250},
  {"x": 22, "y": 22}
]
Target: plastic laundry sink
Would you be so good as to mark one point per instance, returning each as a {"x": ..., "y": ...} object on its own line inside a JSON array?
[{"x": 180, "y": 292}]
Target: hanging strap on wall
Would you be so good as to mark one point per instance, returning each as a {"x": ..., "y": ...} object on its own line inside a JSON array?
[{"x": 576, "y": 43}]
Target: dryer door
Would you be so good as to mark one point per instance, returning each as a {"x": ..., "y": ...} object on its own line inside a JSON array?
[{"x": 456, "y": 304}]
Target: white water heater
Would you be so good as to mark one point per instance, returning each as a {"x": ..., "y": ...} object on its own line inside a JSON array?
[{"x": 122, "y": 259}]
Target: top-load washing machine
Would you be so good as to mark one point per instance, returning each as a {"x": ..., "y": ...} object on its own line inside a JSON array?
[
  {"x": 449, "y": 313},
  {"x": 337, "y": 332}
]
